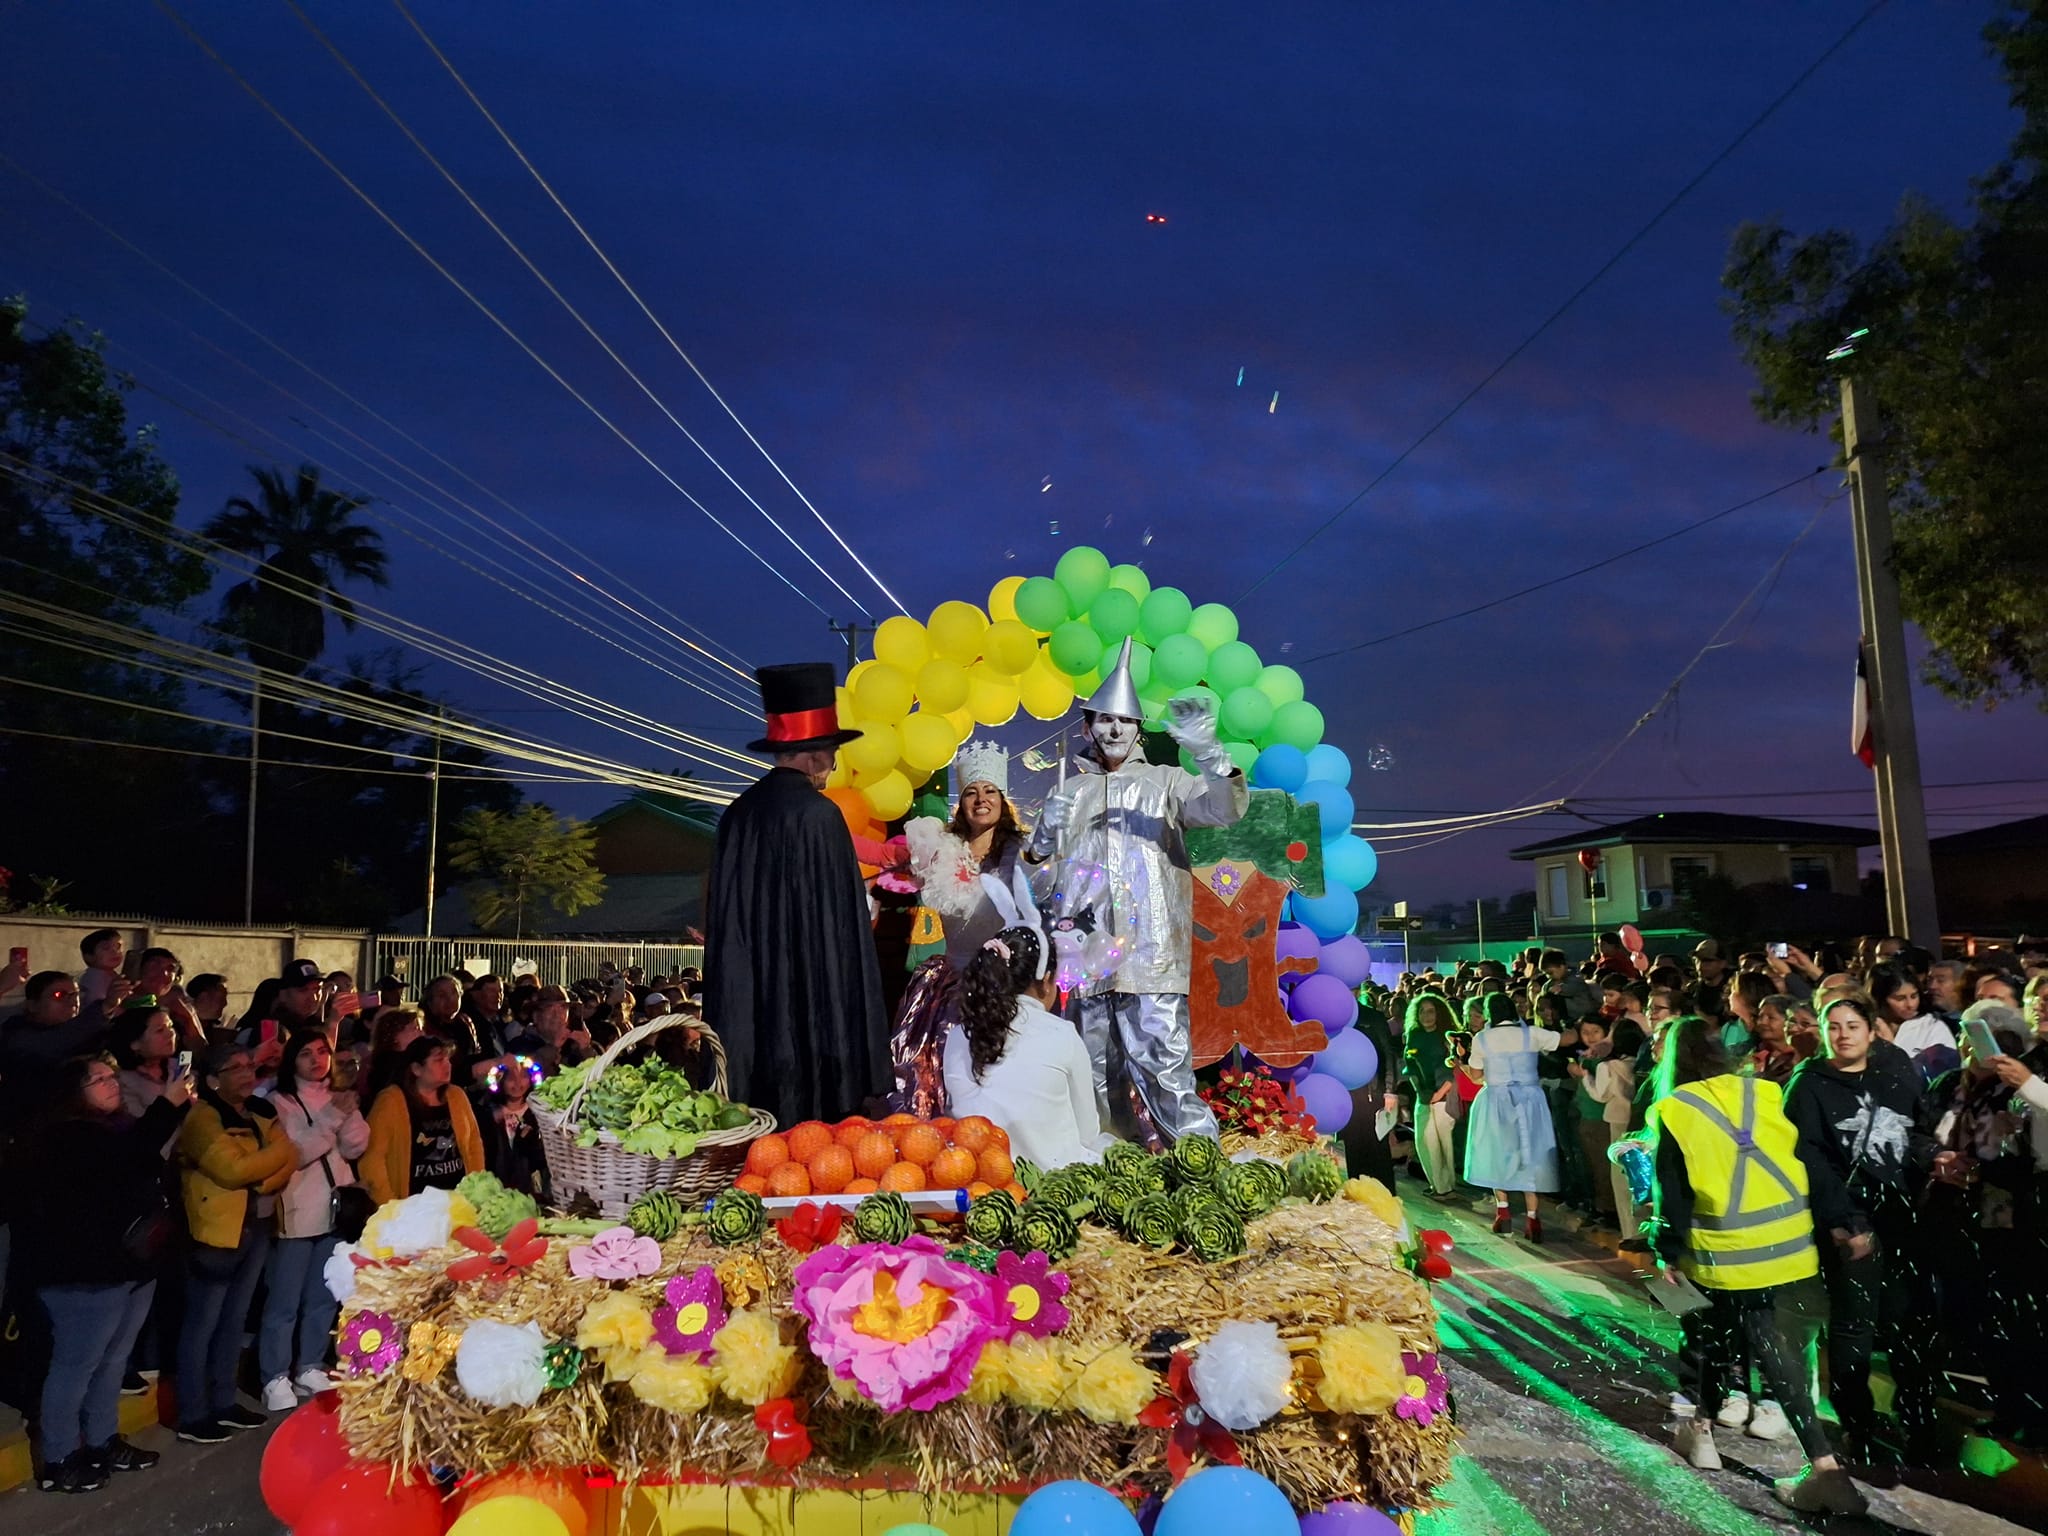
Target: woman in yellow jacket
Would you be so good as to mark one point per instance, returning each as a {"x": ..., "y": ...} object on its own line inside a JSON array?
[
  {"x": 423, "y": 1134},
  {"x": 1732, "y": 1218},
  {"x": 232, "y": 1161}
]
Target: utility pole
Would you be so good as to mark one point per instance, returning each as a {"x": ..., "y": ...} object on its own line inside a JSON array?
[
  {"x": 852, "y": 632},
  {"x": 1479, "y": 917},
  {"x": 1901, "y": 809},
  {"x": 433, "y": 822},
  {"x": 255, "y": 763}
]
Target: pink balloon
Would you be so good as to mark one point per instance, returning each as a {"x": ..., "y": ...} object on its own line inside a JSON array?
[{"x": 1631, "y": 938}]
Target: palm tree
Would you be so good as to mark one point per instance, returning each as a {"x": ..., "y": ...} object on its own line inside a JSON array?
[{"x": 309, "y": 544}]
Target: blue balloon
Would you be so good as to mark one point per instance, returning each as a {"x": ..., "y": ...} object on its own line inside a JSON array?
[
  {"x": 1229, "y": 1499},
  {"x": 1349, "y": 1058},
  {"x": 1327, "y": 917},
  {"x": 1326, "y": 1000},
  {"x": 1328, "y": 762},
  {"x": 1347, "y": 959},
  {"x": 1328, "y": 1100},
  {"x": 1349, "y": 861},
  {"x": 1281, "y": 767},
  {"x": 1074, "y": 1509},
  {"x": 1333, "y": 806}
]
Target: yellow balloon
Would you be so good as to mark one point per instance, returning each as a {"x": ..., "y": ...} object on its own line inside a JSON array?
[
  {"x": 889, "y": 795},
  {"x": 883, "y": 694},
  {"x": 941, "y": 684},
  {"x": 865, "y": 779},
  {"x": 955, "y": 631},
  {"x": 901, "y": 642},
  {"x": 509, "y": 1515},
  {"x": 962, "y": 721},
  {"x": 928, "y": 742},
  {"x": 860, "y": 670},
  {"x": 992, "y": 696},
  {"x": 874, "y": 751},
  {"x": 843, "y": 698},
  {"x": 1002, "y": 598},
  {"x": 1045, "y": 691},
  {"x": 841, "y": 774},
  {"x": 1009, "y": 646}
]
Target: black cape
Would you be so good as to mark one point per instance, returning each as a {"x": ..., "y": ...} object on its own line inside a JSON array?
[{"x": 791, "y": 983}]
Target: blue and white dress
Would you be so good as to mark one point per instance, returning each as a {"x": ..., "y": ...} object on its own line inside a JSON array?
[{"x": 1509, "y": 1144}]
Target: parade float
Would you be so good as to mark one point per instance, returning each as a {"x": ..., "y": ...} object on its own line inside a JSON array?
[{"x": 738, "y": 1327}]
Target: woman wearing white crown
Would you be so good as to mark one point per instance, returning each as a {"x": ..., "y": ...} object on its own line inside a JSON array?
[{"x": 947, "y": 860}]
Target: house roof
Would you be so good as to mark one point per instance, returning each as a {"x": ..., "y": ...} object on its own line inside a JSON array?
[
  {"x": 2005, "y": 837},
  {"x": 701, "y": 815},
  {"x": 1699, "y": 827},
  {"x": 634, "y": 907}
]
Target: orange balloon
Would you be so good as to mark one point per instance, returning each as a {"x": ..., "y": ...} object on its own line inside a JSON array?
[{"x": 559, "y": 1493}]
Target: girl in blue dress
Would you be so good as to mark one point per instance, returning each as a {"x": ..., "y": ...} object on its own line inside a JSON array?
[{"x": 1510, "y": 1144}]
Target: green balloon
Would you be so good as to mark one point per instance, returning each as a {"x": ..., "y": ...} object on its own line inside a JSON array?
[
  {"x": 1207, "y": 695},
  {"x": 914, "y": 1529},
  {"x": 1087, "y": 682},
  {"x": 1154, "y": 705},
  {"x": 1042, "y": 603},
  {"x": 1114, "y": 615},
  {"x": 1232, "y": 665},
  {"x": 1299, "y": 724},
  {"x": 1244, "y": 755},
  {"x": 1281, "y": 684},
  {"x": 1246, "y": 713},
  {"x": 1129, "y": 578},
  {"x": 1178, "y": 661},
  {"x": 1083, "y": 572},
  {"x": 1141, "y": 664},
  {"x": 1213, "y": 625},
  {"x": 1075, "y": 648},
  {"x": 1166, "y": 612}
]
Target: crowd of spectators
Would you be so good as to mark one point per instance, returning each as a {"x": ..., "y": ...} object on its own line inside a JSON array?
[{"x": 228, "y": 1152}]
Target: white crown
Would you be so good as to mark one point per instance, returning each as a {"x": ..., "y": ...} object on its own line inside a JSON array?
[{"x": 981, "y": 762}]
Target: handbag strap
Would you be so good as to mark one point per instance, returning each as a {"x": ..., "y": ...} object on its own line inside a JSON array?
[{"x": 324, "y": 1168}]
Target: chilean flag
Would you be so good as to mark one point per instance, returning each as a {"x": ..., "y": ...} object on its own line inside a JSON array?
[{"x": 1862, "y": 741}]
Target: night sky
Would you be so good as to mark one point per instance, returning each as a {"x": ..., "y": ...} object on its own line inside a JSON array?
[{"x": 909, "y": 245}]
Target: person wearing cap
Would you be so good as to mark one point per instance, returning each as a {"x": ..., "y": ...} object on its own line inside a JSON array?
[
  {"x": 1708, "y": 965},
  {"x": 792, "y": 983},
  {"x": 390, "y": 991},
  {"x": 1126, "y": 815}
]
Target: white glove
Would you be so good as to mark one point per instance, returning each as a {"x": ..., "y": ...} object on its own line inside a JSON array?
[
  {"x": 1192, "y": 725},
  {"x": 1045, "y": 832}
]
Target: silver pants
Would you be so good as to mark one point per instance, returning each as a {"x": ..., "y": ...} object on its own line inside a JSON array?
[{"x": 1144, "y": 1065}]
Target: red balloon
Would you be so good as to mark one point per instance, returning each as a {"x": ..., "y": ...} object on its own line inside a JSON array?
[
  {"x": 361, "y": 1497},
  {"x": 306, "y": 1449},
  {"x": 1632, "y": 938},
  {"x": 1589, "y": 859}
]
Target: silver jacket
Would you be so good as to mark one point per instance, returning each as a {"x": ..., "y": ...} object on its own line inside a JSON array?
[{"x": 1130, "y": 823}]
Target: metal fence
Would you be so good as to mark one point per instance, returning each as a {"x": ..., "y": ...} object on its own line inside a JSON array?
[{"x": 557, "y": 962}]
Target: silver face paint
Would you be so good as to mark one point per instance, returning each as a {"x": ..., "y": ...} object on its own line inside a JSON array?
[{"x": 1114, "y": 737}]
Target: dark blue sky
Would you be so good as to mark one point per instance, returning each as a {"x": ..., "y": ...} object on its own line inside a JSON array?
[{"x": 908, "y": 243}]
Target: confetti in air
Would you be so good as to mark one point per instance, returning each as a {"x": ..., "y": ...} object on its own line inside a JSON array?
[
  {"x": 1379, "y": 757},
  {"x": 1109, "y": 519},
  {"x": 1240, "y": 378},
  {"x": 1045, "y": 487},
  {"x": 1009, "y": 554},
  {"x": 1286, "y": 646},
  {"x": 1054, "y": 526},
  {"x": 1274, "y": 405},
  {"x": 1155, "y": 218},
  {"x": 1038, "y": 760},
  {"x": 1147, "y": 539}
]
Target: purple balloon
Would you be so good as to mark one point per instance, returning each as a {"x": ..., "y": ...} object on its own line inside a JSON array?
[
  {"x": 1294, "y": 942},
  {"x": 1328, "y": 1100},
  {"x": 1349, "y": 961},
  {"x": 1349, "y": 1520},
  {"x": 1349, "y": 1058},
  {"x": 1326, "y": 1000},
  {"x": 1295, "y": 1073}
]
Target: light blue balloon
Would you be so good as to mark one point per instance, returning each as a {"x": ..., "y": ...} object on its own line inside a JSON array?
[
  {"x": 1328, "y": 762},
  {"x": 1333, "y": 806},
  {"x": 1349, "y": 861},
  {"x": 1074, "y": 1509},
  {"x": 1329, "y": 916},
  {"x": 1349, "y": 1058},
  {"x": 1281, "y": 768},
  {"x": 1225, "y": 1499}
]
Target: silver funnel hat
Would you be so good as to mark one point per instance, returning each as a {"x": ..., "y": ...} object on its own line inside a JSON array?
[{"x": 1117, "y": 695}]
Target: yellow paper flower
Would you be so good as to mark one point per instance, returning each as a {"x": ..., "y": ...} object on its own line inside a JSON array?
[
  {"x": 991, "y": 1373},
  {"x": 672, "y": 1383},
  {"x": 1038, "y": 1373},
  {"x": 845, "y": 1388},
  {"x": 428, "y": 1349},
  {"x": 744, "y": 1278},
  {"x": 1109, "y": 1385},
  {"x": 616, "y": 1327},
  {"x": 1377, "y": 1198},
  {"x": 752, "y": 1363},
  {"x": 1362, "y": 1368}
]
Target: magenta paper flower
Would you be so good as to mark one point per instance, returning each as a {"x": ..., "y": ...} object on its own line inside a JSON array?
[
  {"x": 900, "y": 1321},
  {"x": 1427, "y": 1392},
  {"x": 617, "y": 1253},
  {"x": 1029, "y": 1298},
  {"x": 693, "y": 1312},
  {"x": 371, "y": 1343}
]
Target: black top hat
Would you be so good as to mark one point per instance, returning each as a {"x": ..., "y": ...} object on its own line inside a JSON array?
[{"x": 802, "y": 707}]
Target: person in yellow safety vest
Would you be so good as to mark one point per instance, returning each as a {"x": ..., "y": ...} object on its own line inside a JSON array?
[{"x": 1732, "y": 1218}]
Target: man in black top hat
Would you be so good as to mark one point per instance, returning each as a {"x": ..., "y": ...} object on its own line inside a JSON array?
[{"x": 791, "y": 983}]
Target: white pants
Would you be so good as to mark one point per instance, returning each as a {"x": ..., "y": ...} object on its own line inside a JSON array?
[{"x": 1437, "y": 1147}]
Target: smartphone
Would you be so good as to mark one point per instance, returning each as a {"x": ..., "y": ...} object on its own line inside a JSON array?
[
  {"x": 181, "y": 1065},
  {"x": 1781, "y": 951},
  {"x": 18, "y": 957},
  {"x": 1983, "y": 1044},
  {"x": 346, "y": 1003},
  {"x": 266, "y": 1032}
]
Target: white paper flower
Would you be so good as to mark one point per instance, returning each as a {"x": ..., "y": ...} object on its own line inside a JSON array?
[
  {"x": 418, "y": 1224},
  {"x": 340, "y": 1273},
  {"x": 1243, "y": 1375},
  {"x": 501, "y": 1364}
]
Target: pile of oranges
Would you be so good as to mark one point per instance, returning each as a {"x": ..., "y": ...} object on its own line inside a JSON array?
[{"x": 859, "y": 1156}]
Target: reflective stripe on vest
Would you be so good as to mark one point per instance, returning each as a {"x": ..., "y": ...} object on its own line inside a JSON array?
[{"x": 1753, "y": 1228}]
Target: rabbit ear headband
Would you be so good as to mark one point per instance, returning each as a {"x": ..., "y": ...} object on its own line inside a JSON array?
[{"x": 1019, "y": 909}]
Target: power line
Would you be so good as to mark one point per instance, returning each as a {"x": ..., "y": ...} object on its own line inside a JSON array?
[{"x": 1582, "y": 290}]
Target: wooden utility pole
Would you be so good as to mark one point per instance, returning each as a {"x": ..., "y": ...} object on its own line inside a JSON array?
[
  {"x": 255, "y": 771},
  {"x": 852, "y": 632},
  {"x": 1901, "y": 808},
  {"x": 434, "y": 822}
]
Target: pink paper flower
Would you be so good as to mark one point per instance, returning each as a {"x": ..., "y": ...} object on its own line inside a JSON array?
[
  {"x": 693, "y": 1311},
  {"x": 901, "y": 1322},
  {"x": 618, "y": 1253},
  {"x": 1427, "y": 1391},
  {"x": 371, "y": 1343},
  {"x": 1028, "y": 1297}
]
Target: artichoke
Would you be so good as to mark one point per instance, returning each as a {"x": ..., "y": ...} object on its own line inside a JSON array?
[
  {"x": 476, "y": 1188},
  {"x": 1246, "y": 1193},
  {"x": 1269, "y": 1177},
  {"x": 1062, "y": 1189},
  {"x": 883, "y": 1217},
  {"x": 1210, "y": 1230},
  {"x": 1151, "y": 1221},
  {"x": 657, "y": 1214},
  {"x": 1047, "y": 1228},
  {"x": 992, "y": 1219},
  {"x": 1028, "y": 1174},
  {"x": 1194, "y": 1160},
  {"x": 736, "y": 1217},
  {"x": 1123, "y": 1155},
  {"x": 503, "y": 1211},
  {"x": 1116, "y": 1198},
  {"x": 1313, "y": 1177},
  {"x": 1086, "y": 1177}
]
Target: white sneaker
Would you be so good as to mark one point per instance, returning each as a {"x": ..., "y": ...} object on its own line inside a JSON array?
[
  {"x": 278, "y": 1396},
  {"x": 1694, "y": 1440},
  {"x": 313, "y": 1381},
  {"x": 1735, "y": 1412},
  {"x": 1769, "y": 1421}
]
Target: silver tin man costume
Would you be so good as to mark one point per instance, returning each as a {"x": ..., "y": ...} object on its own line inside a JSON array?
[{"x": 1126, "y": 823}]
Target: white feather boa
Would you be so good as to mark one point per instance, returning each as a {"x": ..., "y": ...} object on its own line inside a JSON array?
[{"x": 948, "y": 875}]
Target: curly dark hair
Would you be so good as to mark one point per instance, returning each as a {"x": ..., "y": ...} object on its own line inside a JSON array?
[
  {"x": 988, "y": 994},
  {"x": 1007, "y": 829}
]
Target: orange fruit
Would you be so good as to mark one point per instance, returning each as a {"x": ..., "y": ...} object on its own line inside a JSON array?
[
  {"x": 874, "y": 1153},
  {"x": 920, "y": 1144},
  {"x": 973, "y": 1132},
  {"x": 903, "y": 1177},
  {"x": 766, "y": 1154},
  {"x": 954, "y": 1168},
  {"x": 850, "y": 1132},
  {"x": 900, "y": 1118},
  {"x": 977, "y": 1189},
  {"x": 945, "y": 1123},
  {"x": 808, "y": 1139},
  {"x": 791, "y": 1179},
  {"x": 831, "y": 1170},
  {"x": 998, "y": 1137},
  {"x": 861, "y": 1187},
  {"x": 995, "y": 1167},
  {"x": 752, "y": 1183},
  {"x": 1017, "y": 1192}
]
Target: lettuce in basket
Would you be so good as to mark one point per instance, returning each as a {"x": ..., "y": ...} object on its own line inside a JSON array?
[{"x": 659, "y": 1141}]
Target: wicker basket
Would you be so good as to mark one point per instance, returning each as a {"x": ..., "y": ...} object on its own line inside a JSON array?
[{"x": 614, "y": 1177}]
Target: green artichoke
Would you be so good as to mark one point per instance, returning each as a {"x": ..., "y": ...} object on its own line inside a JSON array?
[
  {"x": 1269, "y": 1178},
  {"x": 1313, "y": 1177},
  {"x": 476, "y": 1188},
  {"x": 1123, "y": 1155},
  {"x": 1151, "y": 1221},
  {"x": 1048, "y": 1228},
  {"x": 1245, "y": 1192},
  {"x": 1086, "y": 1177},
  {"x": 883, "y": 1217},
  {"x": 992, "y": 1219},
  {"x": 736, "y": 1217},
  {"x": 657, "y": 1214},
  {"x": 1194, "y": 1160},
  {"x": 1116, "y": 1198},
  {"x": 1028, "y": 1174},
  {"x": 1210, "y": 1230},
  {"x": 500, "y": 1213}
]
